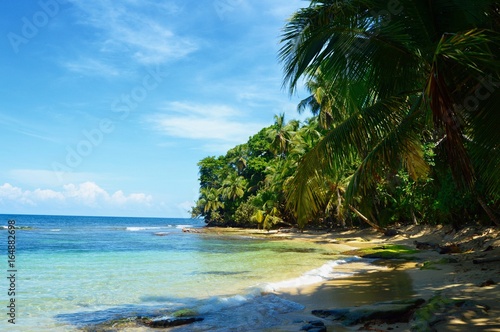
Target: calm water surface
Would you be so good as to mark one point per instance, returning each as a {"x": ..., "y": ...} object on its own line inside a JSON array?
[{"x": 78, "y": 271}]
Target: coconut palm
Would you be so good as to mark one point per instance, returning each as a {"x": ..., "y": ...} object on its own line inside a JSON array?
[
  {"x": 321, "y": 100},
  {"x": 280, "y": 134},
  {"x": 233, "y": 187},
  {"x": 402, "y": 73},
  {"x": 238, "y": 157},
  {"x": 211, "y": 200}
]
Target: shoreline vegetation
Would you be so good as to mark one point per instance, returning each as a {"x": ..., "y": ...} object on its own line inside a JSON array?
[{"x": 411, "y": 284}]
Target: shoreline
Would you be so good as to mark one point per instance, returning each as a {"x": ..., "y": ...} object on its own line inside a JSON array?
[{"x": 451, "y": 276}]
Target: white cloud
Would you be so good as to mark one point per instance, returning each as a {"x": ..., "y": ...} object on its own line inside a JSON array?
[
  {"x": 9, "y": 192},
  {"x": 139, "y": 30},
  {"x": 46, "y": 195},
  {"x": 90, "y": 66},
  {"x": 87, "y": 194},
  {"x": 213, "y": 124}
]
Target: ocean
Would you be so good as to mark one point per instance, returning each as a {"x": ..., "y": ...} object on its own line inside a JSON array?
[{"x": 70, "y": 272}]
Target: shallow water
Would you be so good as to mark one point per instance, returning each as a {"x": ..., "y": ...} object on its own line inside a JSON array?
[{"x": 80, "y": 271}]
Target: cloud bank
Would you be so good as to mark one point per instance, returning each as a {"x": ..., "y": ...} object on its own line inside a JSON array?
[{"x": 86, "y": 194}]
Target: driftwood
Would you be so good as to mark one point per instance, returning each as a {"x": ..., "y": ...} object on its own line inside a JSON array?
[{"x": 485, "y": 260}]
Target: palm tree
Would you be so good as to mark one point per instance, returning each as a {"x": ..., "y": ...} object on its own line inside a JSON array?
[
  {"x": 320, "y": 101},
  {"x": 211, "y": 200},
  {"x": 238, "y": 157},
  {"x": 402, "y": 73},
  {"x": 233, "y": 187},
  {"x": 267, "y": 213},
  {"x": 281, "y": 133}
]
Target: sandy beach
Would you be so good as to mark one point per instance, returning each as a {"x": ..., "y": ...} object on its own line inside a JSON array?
[{"x": 456, "y": 276}]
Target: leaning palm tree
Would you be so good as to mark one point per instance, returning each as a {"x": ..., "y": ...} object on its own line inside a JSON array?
[{"x": 402, "y": 72}]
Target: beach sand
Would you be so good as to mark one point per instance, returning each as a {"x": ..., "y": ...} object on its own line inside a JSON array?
[{"x": 458, "y": 278}]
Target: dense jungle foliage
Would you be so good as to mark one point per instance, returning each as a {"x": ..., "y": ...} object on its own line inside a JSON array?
[{"x": 404, "y": 98}]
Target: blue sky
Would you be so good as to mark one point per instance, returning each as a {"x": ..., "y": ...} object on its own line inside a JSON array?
[{"x": 107, "y": 106}]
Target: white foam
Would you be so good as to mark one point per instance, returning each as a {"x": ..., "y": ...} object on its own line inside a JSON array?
[
  {"x": 255, "y": 295},
  {"x": 323, "y": 273},
  {"x": 217, "y": 304},
  {"x": 183, "y": 226},
  {"x": 137, "y": 229}
]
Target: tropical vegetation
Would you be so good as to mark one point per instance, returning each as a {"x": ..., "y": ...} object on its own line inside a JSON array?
[{"x": 404, "y": 98}]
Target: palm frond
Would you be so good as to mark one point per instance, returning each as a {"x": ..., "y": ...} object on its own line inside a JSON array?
[{"x": 341, "y": 147}]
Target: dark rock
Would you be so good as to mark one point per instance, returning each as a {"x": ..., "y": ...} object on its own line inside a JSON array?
[
  {"x": 426, "y": 245},
  {"x": 488, "y": 282},
  {"x": 486, "y": 260},
  {"x": 314, "y": 326},
  {"x": 391, "y": 312},
  {"x": 191, "y": 230},
  {"x": 439, "y": 311},
  {"x": 451, "y": 249},
  {"x": 170, "y": 322},
  {"x": 391, "y": 232},
  {"x": 332, "y": 314}
]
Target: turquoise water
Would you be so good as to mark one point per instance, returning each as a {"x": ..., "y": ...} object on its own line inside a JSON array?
[{"x": 78, "y": 271}]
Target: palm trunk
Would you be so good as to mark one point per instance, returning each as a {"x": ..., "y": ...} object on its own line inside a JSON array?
[
  {"x": 339, "y": 206},
  {"x": 488, "y": 211},
  {"x": 365, "y": 219}
]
